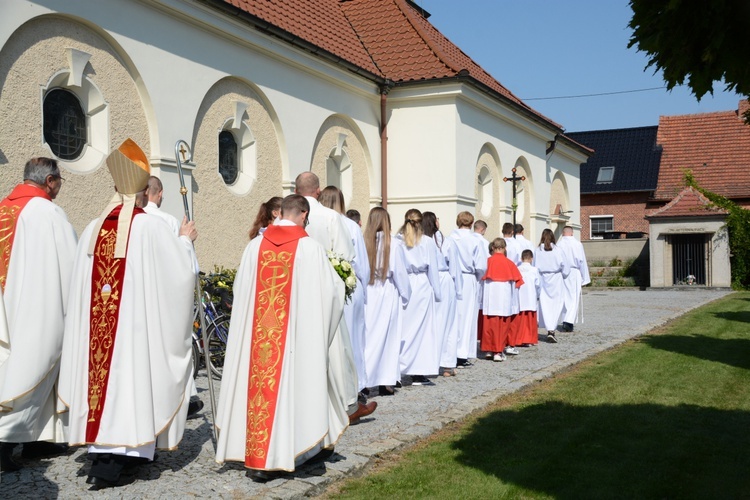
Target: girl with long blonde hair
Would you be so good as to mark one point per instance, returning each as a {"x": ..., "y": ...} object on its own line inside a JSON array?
[
  {"x": 418, "y": 337},
  {"x": 387, "y": 288}
]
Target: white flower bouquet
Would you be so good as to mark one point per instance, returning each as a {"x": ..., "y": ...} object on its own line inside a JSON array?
[{"x": 345, "y": 271}]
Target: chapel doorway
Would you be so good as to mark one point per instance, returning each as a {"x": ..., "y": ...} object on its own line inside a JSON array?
[{"x": 688, "y": 259}]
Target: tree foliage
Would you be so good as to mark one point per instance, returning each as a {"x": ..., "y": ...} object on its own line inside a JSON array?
[
  {"x": 738, "y": 226},
  {"x": 697, "y": 42}
]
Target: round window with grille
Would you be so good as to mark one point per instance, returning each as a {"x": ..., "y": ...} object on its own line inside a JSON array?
[{"x": 64, "y": 124}]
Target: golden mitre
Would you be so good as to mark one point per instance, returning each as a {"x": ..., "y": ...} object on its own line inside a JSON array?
[{"x": 129, "y": 168}]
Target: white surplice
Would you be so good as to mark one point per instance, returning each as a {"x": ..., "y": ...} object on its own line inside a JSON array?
[
  {"x": 419, "y": 339},
  {"x": 513, "y": 250},
  {"x": 146, "y": 401},
  {"x": 354, "y": 310},
  {"x": 451, "y": 286},
  {"x": 524, "y": 244},
  {"x": 578, "y": 277},
  {"x": 528, "y": 294},
  {"x": 472, "y": 259},
  {"x": 327, "y": 227},
  {"x": 553, "y": 269},
  {"x": 384, "y": 299},
  {"x": 309, "y": 414},
  {"x": 35, "y": 300}
]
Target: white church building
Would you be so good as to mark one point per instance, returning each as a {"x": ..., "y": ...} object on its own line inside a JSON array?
[{"x": 365, "y": 93}]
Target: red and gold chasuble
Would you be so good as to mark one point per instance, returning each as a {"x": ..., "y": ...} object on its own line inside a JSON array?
[
  {"x": 10, "y": 209},
  {"x": 106, "y": 292},
  {"x": 273, "y": 289}
]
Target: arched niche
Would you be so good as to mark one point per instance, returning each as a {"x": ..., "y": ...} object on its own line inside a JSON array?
[{"x": 236, "y": 106}]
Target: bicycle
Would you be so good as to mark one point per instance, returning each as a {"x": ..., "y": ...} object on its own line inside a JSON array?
[{"x": 217, "y": 333}]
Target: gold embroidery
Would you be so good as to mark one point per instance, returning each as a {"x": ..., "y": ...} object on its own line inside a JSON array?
[
  {"x": 8, "y": 217},
  {"x": 269, "y": 325},
  {"x": 103, "y": 318}
]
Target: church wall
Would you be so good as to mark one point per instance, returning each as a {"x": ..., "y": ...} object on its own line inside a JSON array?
[
  {"x": 481, "y": 123},
  {"x": 29, "y": 58},
  {"x": 339, "y": 141},
  {"x": 158, "y": 64},
  {"x": 223, "y": 240},
  {"x": 421, "y": 159}
]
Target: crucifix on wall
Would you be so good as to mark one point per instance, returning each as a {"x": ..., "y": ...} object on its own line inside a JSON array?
[{"x": 514, "y": 179}]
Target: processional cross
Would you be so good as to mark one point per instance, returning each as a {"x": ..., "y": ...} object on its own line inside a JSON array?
[{"x": 514, "y": 179}]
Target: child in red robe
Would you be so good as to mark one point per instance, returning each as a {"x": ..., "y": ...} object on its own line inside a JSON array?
[{"x": 500, "y": 300}]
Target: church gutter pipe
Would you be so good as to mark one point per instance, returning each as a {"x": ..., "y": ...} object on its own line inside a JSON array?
[
  {"x": 266, "y": 27},
  {"x": 384, "y": 89}
]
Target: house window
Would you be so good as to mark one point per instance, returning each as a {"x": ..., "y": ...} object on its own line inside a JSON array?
[
  {"x": 601, "y": 225},
  {"x": 605, "y": 176},
  {"x": 64, "y": 124},
  {"x": 228, "y": 164}
]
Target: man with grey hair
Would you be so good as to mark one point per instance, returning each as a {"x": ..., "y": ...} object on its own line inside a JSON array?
[{"x": 37, "y": 248}]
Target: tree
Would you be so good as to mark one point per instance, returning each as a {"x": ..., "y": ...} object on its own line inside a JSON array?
[{"x": 698, "y": 41}]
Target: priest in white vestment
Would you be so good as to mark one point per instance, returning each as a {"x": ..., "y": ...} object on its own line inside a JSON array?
[
  {"x": 37, "y": 248},
  {"x": 326, "y": 227},
  {"x": 278, "y": 405},
  {"x": 578, "y": 278},
  {"x": 553, "y": 268},
  {"x": 354, "y": 310},
  {"x": 472, "y": 259},
  {"x": 153, "y": 197},
  {"x": 126, "y": 357}
]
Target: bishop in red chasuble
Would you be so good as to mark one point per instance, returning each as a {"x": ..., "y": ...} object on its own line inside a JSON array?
[{"x": 126, "y": 357}]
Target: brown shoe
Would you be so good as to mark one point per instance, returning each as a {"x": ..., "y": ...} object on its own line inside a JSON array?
[{"x": 362, "y": 411}]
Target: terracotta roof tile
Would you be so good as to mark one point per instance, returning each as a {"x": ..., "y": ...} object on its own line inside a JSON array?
[
  {"x": 388, "y": 38},
  {"x": 714, "y": 146},
  {"x": 688, "y": 203},
  {"x": 320, "y": 22}
]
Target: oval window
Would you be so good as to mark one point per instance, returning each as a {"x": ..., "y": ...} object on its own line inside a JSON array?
[{"x": 64, "y": 124}]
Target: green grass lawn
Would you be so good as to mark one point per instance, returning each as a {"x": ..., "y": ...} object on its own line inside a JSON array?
[{"x": 664, "y": 416}]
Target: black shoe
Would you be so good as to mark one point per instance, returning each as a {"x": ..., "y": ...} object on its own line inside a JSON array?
[
  {"x": 386, "y": 390},
  {"x": 398, "y": 384},
  {"x": 365, "y": 391},
  {"x": 39, "y": 449},
  {"x": 7, "y": 464},
  {"x": 262, "y": 476},
  {"x": 193, "y": 408},
  {"x": 567, "y": 327},
  {"x": 98, "y": 483},
  {"x": 321, "y": 456},
  {"x": 551, "y": 337},
  {"x": 463, "y": 363},
  {"x": 421, "y": 380}
]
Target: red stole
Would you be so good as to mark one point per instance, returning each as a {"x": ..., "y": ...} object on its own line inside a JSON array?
[
  {"x": 10, "y": 209},
  {"x": 106, "y": 292},
  {"x": 500, "y": 268},
  {"x": 273, "y": 296}
]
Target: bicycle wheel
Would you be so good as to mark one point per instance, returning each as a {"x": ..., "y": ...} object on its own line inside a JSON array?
[
  {"x": 196, "y": 358},
  {"x": 218, "y": 333}
]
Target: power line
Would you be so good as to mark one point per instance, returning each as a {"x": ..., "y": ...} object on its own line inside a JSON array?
[{"x": 592, "y": 95}]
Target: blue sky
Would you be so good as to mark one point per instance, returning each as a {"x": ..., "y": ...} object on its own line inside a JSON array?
[{"x": 549, "y": 48}]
